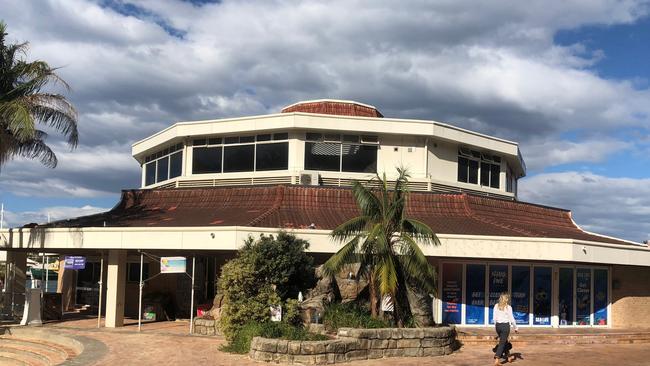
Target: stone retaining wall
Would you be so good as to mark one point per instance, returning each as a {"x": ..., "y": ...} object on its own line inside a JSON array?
[
  {"x": 358, "y": 344},
  {"x": 205, "y": 327}
]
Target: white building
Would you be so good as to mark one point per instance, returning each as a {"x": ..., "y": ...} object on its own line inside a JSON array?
[{"x": 207, "y": 185}]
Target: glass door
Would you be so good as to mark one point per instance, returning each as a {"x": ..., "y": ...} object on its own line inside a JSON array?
[
  {"x": 520, "y": 293},
  {"x": 542, "y": 295},
  {"x": 583, "y": 296},
  {"x": 565, "y": 296}
]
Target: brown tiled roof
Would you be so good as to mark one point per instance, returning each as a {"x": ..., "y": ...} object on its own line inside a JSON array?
[
  {"x": 326, "y": 207},
  {"x": 339, "y": 108}
]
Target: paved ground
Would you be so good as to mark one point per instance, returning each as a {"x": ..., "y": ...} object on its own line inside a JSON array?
[{"x": 167, "y": 343}]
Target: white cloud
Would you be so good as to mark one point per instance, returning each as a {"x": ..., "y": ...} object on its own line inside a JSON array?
[
  {"x": 613, "y": 206},
  {"x": 552, "y": 152},
  {"x": 54, "y": 213},
  {"x": 488, "y": 66}
]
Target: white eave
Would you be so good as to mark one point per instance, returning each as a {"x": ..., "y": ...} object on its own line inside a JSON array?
[{"x": 313, "y": 121}]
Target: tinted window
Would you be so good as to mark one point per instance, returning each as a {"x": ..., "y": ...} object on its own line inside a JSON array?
[
  {"x": 206, "y": 160},
  {"x": 281, "y": 136},
  {"x": 150, "y": 173},
  {"x": 163, "y": 169},
  {"x": 272, "y": 156},
  {"x": 359, "y": 158},
  {"x": 175, "y": 165},
  {"x": 495, "y": 172},
  {"x": 462, "y": 169},
  {"x": 473, "y": 172},
  {"x": 485, "y": 174},
  {"x": 238, "y": 158},
  {"x": 322, "y": 156}
]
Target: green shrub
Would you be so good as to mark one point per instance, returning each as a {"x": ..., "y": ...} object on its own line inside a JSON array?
[
  {"x": 350, "y": 315},
  {"x": 289, "y": 332},
  {"x": 291, "y": 314},
  {"x": 241, "y": 341},
  {"x": 264, "y": 273}
]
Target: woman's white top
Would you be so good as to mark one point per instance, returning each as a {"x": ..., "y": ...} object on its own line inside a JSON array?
[{"x": 504, "y": 316}]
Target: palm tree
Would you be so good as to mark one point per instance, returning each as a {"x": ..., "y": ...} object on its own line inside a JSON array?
[
  {"x": 385, "y": 244},
  {"x": 23, "y": 106}
]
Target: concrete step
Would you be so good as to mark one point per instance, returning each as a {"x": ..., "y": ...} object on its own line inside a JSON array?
[
  {"x": 33, "y": 349},
  {"x": 9, "y": 361},
  {"x": 27, "y": 358},
  {"x": 33, "y": 358}
]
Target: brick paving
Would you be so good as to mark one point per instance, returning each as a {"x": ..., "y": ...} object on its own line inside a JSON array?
[{"x": 167, "y": 343}]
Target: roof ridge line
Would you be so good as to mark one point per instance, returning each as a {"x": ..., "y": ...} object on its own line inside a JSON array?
[{"x": 279, "y": 198}]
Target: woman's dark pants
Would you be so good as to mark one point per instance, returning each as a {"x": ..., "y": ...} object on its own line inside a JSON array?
[{"x": 503, "y": 331}]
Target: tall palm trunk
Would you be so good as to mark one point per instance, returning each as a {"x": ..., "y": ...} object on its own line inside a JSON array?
[{"x": 372, "y": 288}]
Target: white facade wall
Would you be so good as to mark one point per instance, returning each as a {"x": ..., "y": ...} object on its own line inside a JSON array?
[{"x": 428, "y": 149}]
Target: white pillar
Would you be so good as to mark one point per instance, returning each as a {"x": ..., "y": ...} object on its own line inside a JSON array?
[{"x": 116, "y": 281}]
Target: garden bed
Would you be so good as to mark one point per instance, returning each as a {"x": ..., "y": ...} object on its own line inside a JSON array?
[{"x": 358, "y": 344}]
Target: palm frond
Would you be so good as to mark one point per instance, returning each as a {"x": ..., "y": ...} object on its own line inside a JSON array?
[
  {"x": 344, "y": 256},
  {"x": 416, "y": 267},
  {"x": 353, "y": 227},
  {"x": 387, "y": 276},
  {"x": 366, "y": 200},
  {"x": 420, "y": 231}
]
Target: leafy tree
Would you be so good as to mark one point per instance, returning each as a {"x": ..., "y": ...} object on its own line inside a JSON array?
[
  {"x": 24, "y": 105},
  {"x": 385, "y": 242},
  {"x": 265, "y": 272}
]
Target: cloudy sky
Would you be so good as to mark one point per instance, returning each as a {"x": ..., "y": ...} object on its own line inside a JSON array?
[{"x": 570, "y": 81}]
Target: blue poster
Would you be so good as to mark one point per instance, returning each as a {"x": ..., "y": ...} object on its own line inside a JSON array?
[
  {"x": 74, "y": 262},
  {"x": 475, "y": 294},
  {"x": 498, "y": 282},
  {"x": 566, "y": 296},
  {"x": 583, "y": 296},
  {"x": 600, "y": 296},
  {"x": 452, "y": 280},
  {"x": 521, "y": 293},
  {"x": 542, "y": 295}
]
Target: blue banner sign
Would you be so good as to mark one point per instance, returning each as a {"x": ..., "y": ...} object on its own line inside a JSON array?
[
  {"x": 475, "y": 294},
  {"x": 600, "y": 296},
  {"x": 521, "y": 293},
  {"x": 498, "y": 284},
  {"x": 74, "y": 262},
  {"x": 452, "y": 280}
]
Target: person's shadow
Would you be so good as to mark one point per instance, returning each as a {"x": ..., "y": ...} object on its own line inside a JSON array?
[{"x": 515, "y": 356}]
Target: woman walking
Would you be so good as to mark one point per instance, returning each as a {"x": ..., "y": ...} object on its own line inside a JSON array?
[{"x": 502, "y": 319}]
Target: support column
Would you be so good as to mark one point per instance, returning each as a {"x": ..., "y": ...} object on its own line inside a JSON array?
[
  {"x": 17, "y": 265},
  {"x": 115, "y": 283},
  {"x": 67, "y": 286}
]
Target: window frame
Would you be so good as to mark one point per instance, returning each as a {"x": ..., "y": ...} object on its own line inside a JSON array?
[
  {"x": 327, "y": 138},
  {"x": 156, "y": 157},
  {"x": 480, "y": 159},
  {"x": 275, "y": 138}
]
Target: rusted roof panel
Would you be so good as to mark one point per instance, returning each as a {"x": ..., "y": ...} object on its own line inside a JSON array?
[{"x": 292, "y": 206}]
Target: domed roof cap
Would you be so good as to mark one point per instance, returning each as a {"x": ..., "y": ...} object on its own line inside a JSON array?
[{"x": 335, "y": 107}]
